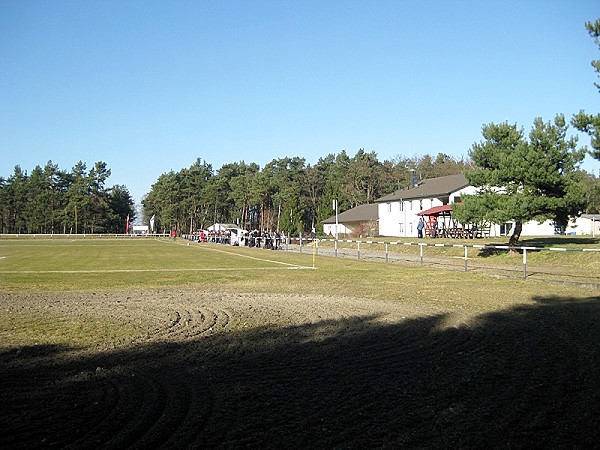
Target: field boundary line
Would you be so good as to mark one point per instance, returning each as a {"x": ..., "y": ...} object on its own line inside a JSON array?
[{"x": 215, "y": 269}]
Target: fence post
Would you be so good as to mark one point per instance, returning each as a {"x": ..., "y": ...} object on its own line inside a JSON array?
[
  {"x": 466, "y": 251},
  {"x": 386, "y": 252},
  {"x": 524, "y": 263},
  {"x": 335, "y": 246},
  {"x": 358, "y": 242},
  {"x": 421, "y": 253},
  {"x": 300, "y": 242}
]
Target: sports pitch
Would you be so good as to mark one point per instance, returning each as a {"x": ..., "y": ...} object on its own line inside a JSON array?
[{"x": 112, "y": 263}]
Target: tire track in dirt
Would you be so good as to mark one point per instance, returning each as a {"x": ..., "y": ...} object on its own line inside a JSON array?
[
  {"x": 142, "y": 403},
  {"x": 187, "y": 323}
]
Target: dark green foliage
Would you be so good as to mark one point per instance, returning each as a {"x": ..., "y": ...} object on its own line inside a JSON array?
[
  {"x": 50, "y": 200},
  {"x": 590, "y": 123},
  {"x": 287, "y": 194},
  {"x": 523, "y": 179}
]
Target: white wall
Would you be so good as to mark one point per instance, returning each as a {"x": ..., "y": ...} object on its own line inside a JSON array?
[
  {"x": 585, "y": 226},
  {"x": 469, "y": 190},
  {"x": 401, "y": 219},
  {"x": 580, "y": 226},
  {"x": 329, "y": 228}
]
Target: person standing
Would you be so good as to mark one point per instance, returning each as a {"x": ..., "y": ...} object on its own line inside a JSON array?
[{"x": 420, "y": 227}]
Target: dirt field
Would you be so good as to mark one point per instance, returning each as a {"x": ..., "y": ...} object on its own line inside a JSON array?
[{"x": 264, "y": 371}]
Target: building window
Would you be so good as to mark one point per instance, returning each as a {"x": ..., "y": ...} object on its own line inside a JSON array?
[
  {"x": 505, "y": 228},
  {"x": 420, "y": 205},
  {"x": 401, "y": 228},
  {"x": 389, "y": 207},
  {"x": 401, "y": 206}
]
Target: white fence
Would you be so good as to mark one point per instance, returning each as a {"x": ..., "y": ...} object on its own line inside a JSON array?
[{"x": 352, "y": 248}]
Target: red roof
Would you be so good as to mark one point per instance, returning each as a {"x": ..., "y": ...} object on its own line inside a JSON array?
[{"x": 435, "y": 211}]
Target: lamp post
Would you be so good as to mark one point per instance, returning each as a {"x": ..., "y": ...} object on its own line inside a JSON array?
[{"x": 335, "y": 207}]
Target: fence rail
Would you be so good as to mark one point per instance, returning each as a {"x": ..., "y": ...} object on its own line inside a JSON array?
[
  {"x": 81, "y": 235},
  {"x": 338, "y": 249}
]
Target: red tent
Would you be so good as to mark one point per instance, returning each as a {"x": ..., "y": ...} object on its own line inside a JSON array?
[{"x": 433, "y": 227}]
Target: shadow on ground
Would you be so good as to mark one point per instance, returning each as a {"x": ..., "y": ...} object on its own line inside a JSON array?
[
  {"x": 529, "y": 376},
  {"x": 546, "y": 241}
]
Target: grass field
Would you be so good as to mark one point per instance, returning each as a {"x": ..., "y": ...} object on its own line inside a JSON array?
[
  {"x": 113, "y": 264},
  {"x": 154, "y": 343},
  {"x": 109, "y": 264},
  {"x": 126, "y": 263}
]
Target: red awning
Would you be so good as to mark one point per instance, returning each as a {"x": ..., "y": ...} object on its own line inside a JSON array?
[{"x": 436, "y": 211}]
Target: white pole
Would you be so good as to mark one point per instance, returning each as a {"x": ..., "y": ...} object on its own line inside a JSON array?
[
  {"x": 335, "y": 206},
  {"x": 404, "y": 210}
]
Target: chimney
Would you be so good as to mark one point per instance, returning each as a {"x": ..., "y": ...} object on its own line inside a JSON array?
[{"x": 415, "y": 181}]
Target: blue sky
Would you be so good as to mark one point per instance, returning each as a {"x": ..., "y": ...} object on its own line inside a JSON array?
[{"x": 150, "y": 86}]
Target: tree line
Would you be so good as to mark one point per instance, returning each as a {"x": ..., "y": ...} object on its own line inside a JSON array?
[
  {"x": 286, "y": 194},
  {"x": 50, "y": 200}
]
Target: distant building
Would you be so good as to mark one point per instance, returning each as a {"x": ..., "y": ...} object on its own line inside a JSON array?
[
  {"x": 222, "y": 227},
  {"x": 359, "y": 221},
  {"x": 586, "y": 224},
  {"x": 398, "y": 210},
  {"x": 139, "y": 229}
]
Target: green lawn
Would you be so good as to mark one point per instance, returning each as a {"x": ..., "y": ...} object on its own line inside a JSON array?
[
  {"x": 121, "y": 264},
  {"x": 83, "y": 264}
]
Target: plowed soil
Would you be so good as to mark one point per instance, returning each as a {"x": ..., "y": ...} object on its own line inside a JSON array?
[{"x": 225, "y": 370}]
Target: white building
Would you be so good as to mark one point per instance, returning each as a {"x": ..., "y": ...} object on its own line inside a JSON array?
[
  {"x": 139, "y": 229},
  {"x": 398, "y": 210},
  {"x": 586, "y": 224},
  {"x": 361, "y": 220}
]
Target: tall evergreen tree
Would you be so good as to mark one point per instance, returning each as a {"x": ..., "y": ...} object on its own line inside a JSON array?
[
  {"x": 121, "y": 206},
  {"x": 99, "y": 210},
  {"x": 16, "y": 196},
  {"x": 4, "y": 209},
  {"x": 521, "y": 180},
  {"x": 590, "y": 123}
]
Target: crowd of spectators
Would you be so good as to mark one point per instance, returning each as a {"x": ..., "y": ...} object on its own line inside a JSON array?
[
  {"x": 268, "y": 239},
  {"x": 265, "y": 239}
]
